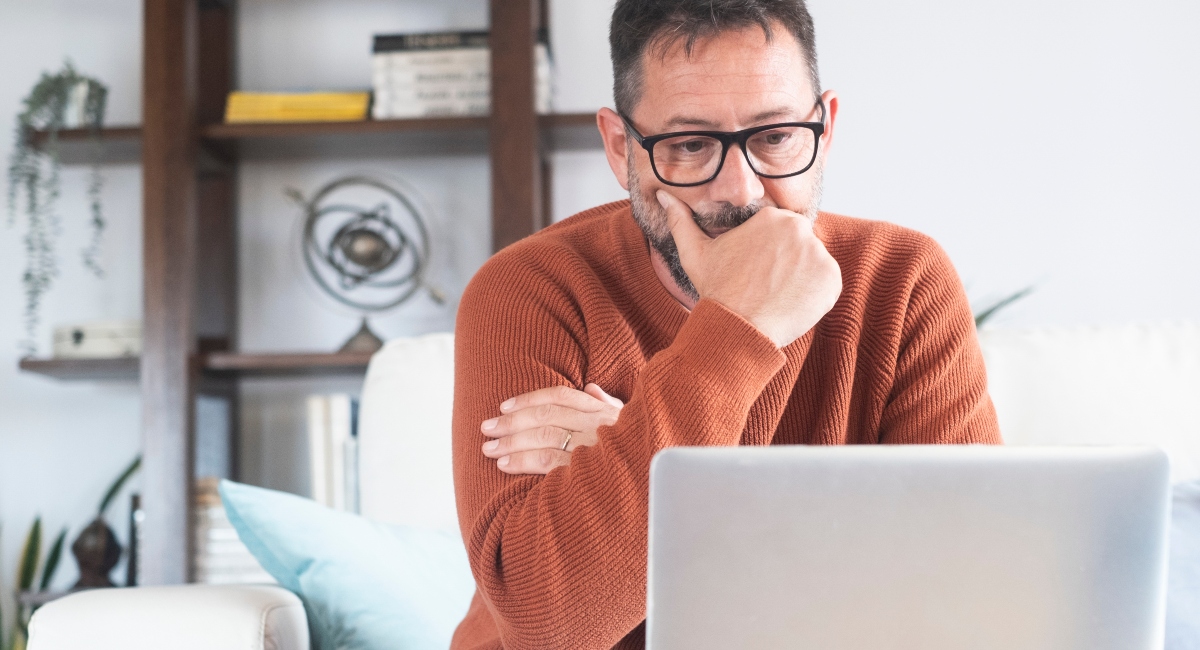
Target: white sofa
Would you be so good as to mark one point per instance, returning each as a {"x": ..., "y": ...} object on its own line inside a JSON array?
[{"x": 1136, "y": 384}]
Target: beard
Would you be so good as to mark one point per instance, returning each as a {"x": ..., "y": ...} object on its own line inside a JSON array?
[{"x": 652, "y": 218}]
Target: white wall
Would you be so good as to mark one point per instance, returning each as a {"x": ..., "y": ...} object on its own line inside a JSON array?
[
  {"x": 1050, "y": 143},
  {"x": 1042, "y": 142}
]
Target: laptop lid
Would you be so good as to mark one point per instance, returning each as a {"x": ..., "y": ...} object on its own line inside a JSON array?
[{"x": 915, "y": 547}]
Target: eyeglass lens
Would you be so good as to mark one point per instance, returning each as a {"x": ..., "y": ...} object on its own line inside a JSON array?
[{"x": 780, "y": 151}]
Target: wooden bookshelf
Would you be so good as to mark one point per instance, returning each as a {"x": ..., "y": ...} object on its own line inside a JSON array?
[
  {"x": 216, "y": 364},
  {"x": 366, "y": 138},
  {"x": 123, "y": 369},
  {"x": 285, "y": 365},
  {"x": 189, "y": 162},
  {"x": 117, "y": 145}
]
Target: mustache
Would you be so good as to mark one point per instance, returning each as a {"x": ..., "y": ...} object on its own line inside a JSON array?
[{"x": 727, "y": 216}]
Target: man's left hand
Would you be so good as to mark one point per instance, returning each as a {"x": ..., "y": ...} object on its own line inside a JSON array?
[{"x": 538, "y": 430}]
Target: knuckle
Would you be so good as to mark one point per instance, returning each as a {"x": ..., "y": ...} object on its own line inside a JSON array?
[
  {"x": 544, "y": 412},
  {"x": 545, "y": 457}
]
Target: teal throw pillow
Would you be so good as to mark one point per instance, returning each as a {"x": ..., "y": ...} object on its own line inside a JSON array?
[{"x": 365, "y": 585}]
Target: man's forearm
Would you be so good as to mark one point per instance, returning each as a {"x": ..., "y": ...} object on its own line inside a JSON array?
[{"x": 564, "y": 556}]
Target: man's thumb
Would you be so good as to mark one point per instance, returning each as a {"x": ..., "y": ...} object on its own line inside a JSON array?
[
  {"x": 679, "y": 219},
  {"x": 598, "y": 393}
]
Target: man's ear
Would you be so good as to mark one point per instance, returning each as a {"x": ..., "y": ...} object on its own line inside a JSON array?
[
  {"x": 830, "y": 97},
  {"x": 612, "y": 131}
]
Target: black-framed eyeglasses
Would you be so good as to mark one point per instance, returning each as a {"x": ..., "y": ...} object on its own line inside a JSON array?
[{"x": 690, "y": 158}]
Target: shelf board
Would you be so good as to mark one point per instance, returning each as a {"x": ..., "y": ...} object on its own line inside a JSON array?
[
  {"x": 286, "y": 364},
  {"x": 248, "y": 131},
  {"x": 215, "y": 363},
  {"x": 119, "y": 369},
  {"x": 118, "y": 145},
  {"x": 425, "y": 136}
]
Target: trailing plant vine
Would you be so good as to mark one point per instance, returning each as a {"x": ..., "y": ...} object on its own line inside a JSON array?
[{"x": 33, "y": 180}]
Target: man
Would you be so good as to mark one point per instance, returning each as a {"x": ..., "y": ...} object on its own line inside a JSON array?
[{"x": 715, "y": 307}]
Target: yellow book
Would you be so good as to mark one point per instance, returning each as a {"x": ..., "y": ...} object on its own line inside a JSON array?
[{"x": 296, "y": 107}]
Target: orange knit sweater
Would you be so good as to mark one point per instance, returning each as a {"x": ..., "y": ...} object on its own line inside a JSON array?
[{"x": 560, "y": 560}]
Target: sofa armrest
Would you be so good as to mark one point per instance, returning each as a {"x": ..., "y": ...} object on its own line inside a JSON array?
[{"x": 187, "y": 617}]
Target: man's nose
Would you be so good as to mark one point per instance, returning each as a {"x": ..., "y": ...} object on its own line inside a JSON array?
[{"x": 736, "y": 184}]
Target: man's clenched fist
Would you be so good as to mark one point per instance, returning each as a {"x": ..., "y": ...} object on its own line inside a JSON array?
[{"x": 771, "y": 270}]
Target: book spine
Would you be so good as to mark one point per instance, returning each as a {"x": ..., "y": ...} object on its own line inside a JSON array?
[
  {"x": 318, "y": 426},
  {"x": 429, "y": 41},
  {"x": 414, "y": 84},
  {"x": 439, "y": 109},
  {"x": 339, "y": 434}
]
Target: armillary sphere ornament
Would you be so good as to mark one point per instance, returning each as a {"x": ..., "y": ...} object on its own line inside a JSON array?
[{"x": 366, "y": 245}]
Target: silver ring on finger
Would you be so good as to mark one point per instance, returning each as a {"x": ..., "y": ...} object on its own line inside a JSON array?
[{"x": 566, "y": 442}]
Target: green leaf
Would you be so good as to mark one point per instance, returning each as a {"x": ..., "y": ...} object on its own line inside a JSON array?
[
  {"x": 985, "y": 315},
  {"x": 119, "y": 483},
  {"x": 52, "y": 560},
  {"x": 30, "y": 556}
]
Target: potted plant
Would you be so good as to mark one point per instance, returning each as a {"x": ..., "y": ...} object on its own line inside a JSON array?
[
  {"x": 96, "y": 551},
  {"x": 62, "y": 100}
]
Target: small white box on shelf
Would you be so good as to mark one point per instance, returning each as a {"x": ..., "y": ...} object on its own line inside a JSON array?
[{"x": 98, "y": 340}]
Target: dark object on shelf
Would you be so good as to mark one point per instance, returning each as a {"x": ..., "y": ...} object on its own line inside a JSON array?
[
  {"x": 362, "y": 256},
  {"x": 364, "y": 340},
  {"x": 136, "y": 515},
  {"x": 97, "y": 552}
]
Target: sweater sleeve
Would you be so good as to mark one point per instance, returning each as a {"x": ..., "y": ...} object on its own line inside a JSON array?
[
  {"x": 560, "y": 559},
  {"x": 939, "y": 393}
]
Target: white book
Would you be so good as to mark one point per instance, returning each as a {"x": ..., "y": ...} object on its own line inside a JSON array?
[
  {"x": 438, "y": 109},
  {"x": 340, "y": 423},
  {"x": 467, "y": 57},
  {"x": 318, "y": 442},
  {"x": 352, "y": 498},
  {"x": 433, "y": 95},
  {"x": 451, "y": 75}
]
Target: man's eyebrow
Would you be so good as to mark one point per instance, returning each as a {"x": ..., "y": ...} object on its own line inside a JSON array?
[{"x": 683, "y": 121}]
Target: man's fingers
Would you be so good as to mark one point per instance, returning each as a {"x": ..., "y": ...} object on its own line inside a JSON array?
[
  {"x": 598, "y": 393},
  {"x": 538, "y": 416},
  {"x": 540, "y": 461},
  {"x": 688, "y": 236},
  {"x": 560, "y": 395},
  {"x": 540, "y": 438}
]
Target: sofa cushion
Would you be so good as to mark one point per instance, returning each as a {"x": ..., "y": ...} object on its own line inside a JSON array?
[
  {"x": 364, "y": 585},
  {"x": 191, "y": 617},
  {"x": 1100, "y": 385},
  {"x": 1183, "y": 587},
  {"x": 404, "y": 434}
]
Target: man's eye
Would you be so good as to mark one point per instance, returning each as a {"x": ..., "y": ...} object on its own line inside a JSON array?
[
  {"x": 775, "y": 138},
  {"x": 691, "y": 146}
]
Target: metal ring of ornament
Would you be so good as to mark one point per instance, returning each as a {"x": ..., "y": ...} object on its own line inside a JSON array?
[{"x": 566, "y": 442}]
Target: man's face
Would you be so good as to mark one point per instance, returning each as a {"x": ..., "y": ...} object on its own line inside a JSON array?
[{"x": 732, "y": 81}]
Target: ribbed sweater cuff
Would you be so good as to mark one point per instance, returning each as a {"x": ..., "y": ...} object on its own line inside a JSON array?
[{"x": 724, "y": 350}]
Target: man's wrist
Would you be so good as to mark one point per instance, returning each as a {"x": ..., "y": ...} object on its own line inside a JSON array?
[{"x": 730, "y": 345}]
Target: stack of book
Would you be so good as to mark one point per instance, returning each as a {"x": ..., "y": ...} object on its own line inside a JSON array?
[
  {"x": 333, "y": 450},
  {"x": 244, "y": 107},
  {"x": 221, "y": 558},
  {"x": 441, "y": 74}
]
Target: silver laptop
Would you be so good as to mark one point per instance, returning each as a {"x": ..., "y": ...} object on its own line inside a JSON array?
[{"x": 919, "y": 547}]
